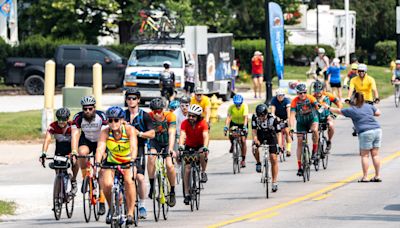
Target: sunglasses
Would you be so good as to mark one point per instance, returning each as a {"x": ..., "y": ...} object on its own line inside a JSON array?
[
  {"x": 87, "y": 109},
  {"x": 192, "y": 116},
  {"x": 131, "y": 98},
  {"x": 62, "y": 121},
  {"x": 198, "y": 95},
  {"x": 115, "y": 120},
  {"x": 158, "y": 111},
  {"x": 301, "y": 93},
  {"x": 184, "y": 105}
]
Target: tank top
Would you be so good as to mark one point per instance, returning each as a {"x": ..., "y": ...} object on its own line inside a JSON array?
[{"x": 118, "y": 151}]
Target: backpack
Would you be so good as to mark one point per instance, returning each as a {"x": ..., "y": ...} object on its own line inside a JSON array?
[
  {"x": 166, "y": 79},
  {"x": 139, "y": 123}
]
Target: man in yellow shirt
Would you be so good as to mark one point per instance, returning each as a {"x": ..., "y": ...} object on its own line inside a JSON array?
[
  {"x": 365, "y": 84},
  {"x": 203, "y": 101}
]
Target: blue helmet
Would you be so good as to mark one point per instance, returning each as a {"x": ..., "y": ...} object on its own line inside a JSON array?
[
  {"x": 237, "y": 99},
  {"x": 174, "y": 104},
  {"x": 115, "y": 112}
]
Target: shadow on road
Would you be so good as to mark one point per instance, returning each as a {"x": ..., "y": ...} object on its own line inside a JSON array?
[
  {"x": 368, "y": 217},
  {"x": 392, "y": 207}
]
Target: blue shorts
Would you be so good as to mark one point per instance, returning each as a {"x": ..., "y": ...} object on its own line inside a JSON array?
[{"x": 370, "y": 139}]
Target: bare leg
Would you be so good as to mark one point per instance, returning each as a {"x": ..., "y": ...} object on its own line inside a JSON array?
[
  {"x": 376, "y": 161},
  {"x": 255, "y": 86},
  {"x": 274, "y": 164},
  {"x": 364, "y": 162},
  {"x": 260, "y": 83}
]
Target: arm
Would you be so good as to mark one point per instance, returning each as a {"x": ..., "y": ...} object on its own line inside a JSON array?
[
  {"x": 182, "y": 138},
  {"x": 101, "y": 145},
  {"x": 273, "y": 109},
  {"x": 75, "y": 134},
  {"x": 377, "y": 112},
  {"x": 208, "y": 113},
  {"x": 292, "y": 119},
  {"x": 288, "y": 111},
  {"x": 246, "y": 120},
  {"x": 335, "y": 110},
  {"x": 351, "y": 90},
  {"x": 132, "y": 141},
  {"x": 171, "y": 137},
  {"x": 206, "y": 138},
  {"x": 228, "y": 120},
  {"x": 47, "y": 141}
]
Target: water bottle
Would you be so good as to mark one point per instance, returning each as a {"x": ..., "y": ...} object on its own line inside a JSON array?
[{"x": 67, "y": 183}]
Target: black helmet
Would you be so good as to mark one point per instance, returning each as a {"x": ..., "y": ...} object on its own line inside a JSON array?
[
  {"x": 132, "y": 91},
  {"x": 318, "y": 86},
  {"x": 115, "y": 112},
  {"x": 261, "y": 109},
  {"x": 63, "y": 114},
  {"x": 156, "y": 103},
  {"x": 301, "y": 88},
  {"x": 185, "y": 100}
]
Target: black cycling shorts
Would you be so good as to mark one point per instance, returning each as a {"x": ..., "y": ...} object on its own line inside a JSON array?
[
  {"x": 85, "y": 142},
  {"x": 63, "y": 148},
  {"x": 141, "y": 161},
  {"x": 189, "y": 86},
  {"x": 167, "y": 91},
  {"x": 154, "y": 144},
  {"x": 336, "y": 85},
  {"x": 273, "y": 148}
]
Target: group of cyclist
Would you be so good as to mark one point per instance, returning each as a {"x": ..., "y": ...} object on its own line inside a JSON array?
[{"x": 120, "y": 137}]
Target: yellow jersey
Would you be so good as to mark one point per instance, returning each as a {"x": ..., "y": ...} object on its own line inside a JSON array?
[
  {"x": 204, "y": 103},
  {"x": 364, "y": 86},
  {"x": 238, "y": 114},
  {"x": 118, "y": 151}
]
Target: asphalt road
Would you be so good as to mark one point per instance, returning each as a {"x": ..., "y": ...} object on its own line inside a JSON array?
[{"x": 332, "y": 198}]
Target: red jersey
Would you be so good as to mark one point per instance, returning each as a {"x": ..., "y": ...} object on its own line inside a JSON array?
[
  {"x": 194, "y": 135},
  {"x": 61, "y": 135},
  {"x": 257, "y": 65}
]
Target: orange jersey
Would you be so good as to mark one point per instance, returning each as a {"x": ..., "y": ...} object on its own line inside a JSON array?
[
  {"x": 161, "y": 127},
  {"x": 303, "y": 107}
]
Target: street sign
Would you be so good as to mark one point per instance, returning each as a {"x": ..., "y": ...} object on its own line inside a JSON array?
[{"x": 397, "y": 19}]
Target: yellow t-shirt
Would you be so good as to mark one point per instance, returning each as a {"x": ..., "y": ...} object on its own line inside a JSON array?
[
  {"x": 204, "y": 103},
  {"x": 238, "y": 114},
  {"x": 364, "y": 86}
]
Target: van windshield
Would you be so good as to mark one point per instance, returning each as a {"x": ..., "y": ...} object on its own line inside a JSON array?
[{"x": 155, "y": 58}]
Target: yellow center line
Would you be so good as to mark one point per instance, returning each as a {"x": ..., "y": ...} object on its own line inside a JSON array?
[
  {"x": 303, "y": 198},
  {"x": 323, "y": 196},
  {"x": 273, "y": 214}
]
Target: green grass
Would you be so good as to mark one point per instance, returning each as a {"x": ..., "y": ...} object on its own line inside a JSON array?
[
  {"x": 20, "y": 125},
  {"x": 7, "y": 208}
]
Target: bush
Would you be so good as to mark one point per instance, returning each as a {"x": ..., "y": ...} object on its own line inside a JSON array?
[
  {"x": 385, "y": 52},
  {"x": 5, "y": 50},
  {"x": 123, "y": 49},
  {"x": 294, "y": 54}
]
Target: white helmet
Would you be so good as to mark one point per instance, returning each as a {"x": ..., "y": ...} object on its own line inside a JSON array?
[
  {"x": 167, "y": 63},
  {"x": 88, "y": 100},
  {"x": 336, "y": 60},
  {"x": 195, "y": 109},
  {"x": 191, "y": 62},
  {"x": 398, "y": 61},
  {"x": 280, "y": 91},
  {"x": 321, "y": 51},
  {"x": 362, "y": 67}
]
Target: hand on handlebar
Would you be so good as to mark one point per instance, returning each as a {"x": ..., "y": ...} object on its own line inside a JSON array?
[
  {"x": 42, "y": 159},
  {"x": 377, "y": 100},
  {"x": 226, "y": 130},
  {"x": 347, "y": 100}
]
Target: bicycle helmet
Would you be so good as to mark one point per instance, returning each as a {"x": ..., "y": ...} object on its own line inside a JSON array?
[
  {"x": 185, "y": 100},
  {"x": 195, "y": 109},
  {"x": 156, "y": 103},
  {"x": 321, "y": 51},
  {"x": 354, "y": 66},
  {"x": 280, "y": 92},
  {"x": 191, "y": 63},
  {"x": 398, "y": 61},
  {"x": 318, "y": 86},
  {"x": 115, "y": 112},
  {"x": 174, "y": 104},
  {"x": 261, "y": 110},
  {"x": 132, "y": 91},
  {"x": 237, "y": 99},
  {"x": 301, "y": 88},
  {"x": 88, "y": 100},
  {"x": 167, "y": 64},
  {"x": 362, "y": 67},
  {"x": 63, "y": 113},
  {"x": 336, "y": 60},
  {"x": 198, "y": 90}
]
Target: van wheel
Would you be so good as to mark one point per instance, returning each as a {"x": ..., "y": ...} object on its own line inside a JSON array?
[
  {"x": 34, "y": 85},
  {"x": 228, "y": 94}
]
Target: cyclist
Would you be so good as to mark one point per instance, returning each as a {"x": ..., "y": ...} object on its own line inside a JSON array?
[
  {"x": 203, "y": 101},
  {"x": 322, "y": 62},
  {"x": 194, "y": 135},
  {"x": 173, "y": 105},
  {"x": 164, "y": 125},
  {"x": 364, "y": 84},
  {"x": 86, "y": 128},
  {"x": 238, "y": 116},
  {"x": 265, "y": 127},
  {"x": 181, "y": 115},
  {"x": 189, "y": 78},
  {"x": 303, "y": 109},
  {"x": 143, "y": 124},
  {"x": 61, "y": 130},
  {"x": 120, "y": 142},
  {"x": 334, "y": 79},
  {"x": 280, "y": 107},
  {"x": 325, "y": 116},
  {"x": 167, "y": 81},
  {"x": 352, "y": 73},
  {"x": 396, "y": 72}
]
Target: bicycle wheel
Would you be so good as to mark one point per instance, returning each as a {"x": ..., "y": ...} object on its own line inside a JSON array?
[
  {"x": 166, "y": 190},
  {"x": 69, "y": 198},
  {"x": 156, "y": 198},
  {"x": 183, "y": 164},
  {"x": 304, "y": 162},
  {"x": 324, "y": 153},
  {"x": 136, "y": 213},
  {"x": 319, "y": 155},
  {"x": 266, "y": 167},
  {"x": 235, "y": 157},
  {"x": 192, "y": 188},
  {"x": 114, "y": 208},
  {"x": 198, "y": 188},
  {"x": 147, "y": 33},
  {"x": 174, "y": 28},
  {"x": 308, "y": 163},
  {"x": 87, "y": 205},
  {"x": 95, "y": 198},
  {"x": 57, "y": 197},
  {"x": 396, "y": 96}
]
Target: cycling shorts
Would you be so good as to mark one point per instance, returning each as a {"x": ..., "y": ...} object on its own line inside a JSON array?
[
  {"x": 167, "y": 91},
  {"x": 306, "y": 121},
  {"x": 154, "y": 144},
  {"x": 63, "y": 148},
  {"x": 273, "y": 148},
  {"x": 83, "y": 141}
]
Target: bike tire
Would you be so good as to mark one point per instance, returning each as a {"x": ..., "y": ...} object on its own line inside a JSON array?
[
  {"x": 192, "y": 191},
  {"x": 57, "y": 203},
  {"x": 238, "y": 155},
  {"x": 114, "y": 209},
  {"x": 176, "y": 28},
  {"x": 198, "y": 189},
  {"x": 183, "y": 164},
  {"x": 156, "y": 198},
  {"x": 318, "y": 156},
  {"x": 166, "y": 190},
  {"x": 70, "y": 199},
  {"x": 95, "y": 196},
  {"x": 308, "y": 166},
  {"x": 87, "y": 206},
  {"x": 234, "y": 158},
  {"x": 326, "y": 155},
  {"x": 266, "y": 167},
  {"x": 304, "y": 162}
]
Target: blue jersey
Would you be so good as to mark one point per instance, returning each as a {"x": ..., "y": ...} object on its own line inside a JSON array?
[
  {"x": 334, "y": 71},
  {"x": 281, "y": 107}
]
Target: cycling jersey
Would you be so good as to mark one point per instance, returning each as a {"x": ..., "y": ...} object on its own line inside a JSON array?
[
  {"x": 204, "y": 103},
  {"x": 118, "y": 151},
  {"x": 334, "y": 71},
  {"x": 326, "y": 98},
  {"x": 257, "y": 65},
  {"x": 90, "y": 130},
  {"x": 364, "y": 86},
  {"x": 238, "y": 114},
  {"x": 180, "y": 117},
  {"x": 167, "y": 79},
  {"x": 266, "y": 129},
  {"x": 62, "y": 137},
  {"x": 189, "y": 74},
  {"x": 281, "y": 107},
  {"x": 305, "y": 112},
  {"x": 162, "y": 127},
  {"x": 194, "y": 135},
  {"x": 141, "y": 121}
]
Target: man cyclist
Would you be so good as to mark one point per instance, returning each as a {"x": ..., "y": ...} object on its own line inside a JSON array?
[
  {"x": 144, "y": 129},
  {"x": 265, "y": 127},
  {"x": 203, "y": 101},
  {"x": 238, "y": 117},
  {"x": 194, "y": 135},
  {"x": 303, "y": 110},
  {"x": 325, "y": 116},
  {"x": 61, "y": 130},
  {"x": 396, "y": 72},
  {"x": 364, "y": 84},
  {"x": 173, "y": 105},
  {"x": 167, "y": 81},
  {"x": 120, "y": 142},
  {"x": 322, "y": 62},
  {"x": 164, "y": 123},
  {"x": 280, "y": 107},
  {"x": 181, "y": 115},
  {"x": 86, "y": 128}
]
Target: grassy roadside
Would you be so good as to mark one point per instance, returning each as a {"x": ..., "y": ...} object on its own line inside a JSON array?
[
  {"x": 7, "y": 208},
  {"x": 20, "y": 125}
]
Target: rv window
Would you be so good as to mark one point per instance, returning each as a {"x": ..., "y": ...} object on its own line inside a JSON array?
[
  {"x": 155, "y": 58},
  {"x": 341, "y": 31},
  {"x": 336, "y": 32}
]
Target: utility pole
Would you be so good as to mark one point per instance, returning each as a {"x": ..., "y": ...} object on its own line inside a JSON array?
[
  {"x": 398, "y": 28},
  {"x": 316, "y": 8},
  {"x": 346, "y": 8},
  {"x": 267, "y": 64}
]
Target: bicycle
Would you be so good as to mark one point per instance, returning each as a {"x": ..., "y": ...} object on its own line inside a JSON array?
[
  {"x": 265, "y": 177},
  {"x": 322, "y": 154},
  {"x": 192, "y": 157},
  {"x": 282, "y": 150},
  {"x": 396, "y": 84},
  {"x": 305, "y": 156},
  {"x": 118, "y": 206},
  {"x": 161, "y": 188},
  {"x": 90, "y": 190},
  {"x": 156, "y": 24},
  {"x": 62, "y": 185},
  {"x": 236, "y": 133}
]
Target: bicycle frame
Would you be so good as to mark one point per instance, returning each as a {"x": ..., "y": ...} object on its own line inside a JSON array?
[
  {"x": 193, "y": 157},
  {"x": 305, "y": 156}
]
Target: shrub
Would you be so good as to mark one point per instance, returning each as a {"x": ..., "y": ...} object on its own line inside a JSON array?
[
  {"x": 385, "y": 52},
  {"x": 5, "y": 50},
  {"x": 123, "y": 49}
]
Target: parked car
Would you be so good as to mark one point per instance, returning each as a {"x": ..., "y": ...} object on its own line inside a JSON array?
[{"x": 29, "y": 72}]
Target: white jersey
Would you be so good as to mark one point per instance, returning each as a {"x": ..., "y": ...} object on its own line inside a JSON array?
[
  {"x": 189, "y": 74},
  {"x": 180, "y": 117},
  {"x": 90, "y": 130},
  {"x": 322, "y": 63}
]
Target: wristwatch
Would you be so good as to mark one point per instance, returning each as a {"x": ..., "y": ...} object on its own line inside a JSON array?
[{"x": 140, "y": 134}]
